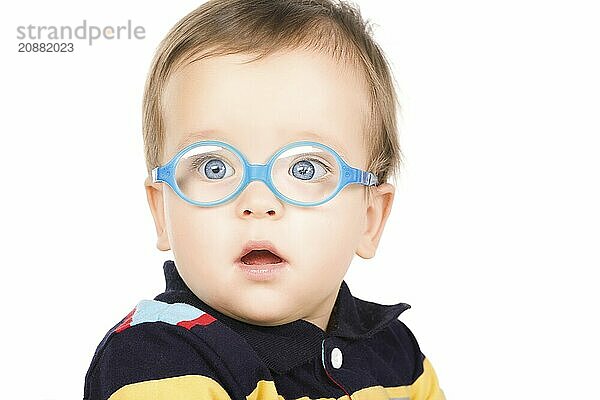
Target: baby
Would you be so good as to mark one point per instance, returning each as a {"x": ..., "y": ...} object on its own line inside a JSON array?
[{"x": 269, "y": 134}]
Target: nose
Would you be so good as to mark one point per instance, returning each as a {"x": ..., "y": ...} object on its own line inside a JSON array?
[{"x": 257, "y": 200}]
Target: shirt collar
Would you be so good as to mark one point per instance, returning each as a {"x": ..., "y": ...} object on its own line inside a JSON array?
[{"x": 286, "y": 346}]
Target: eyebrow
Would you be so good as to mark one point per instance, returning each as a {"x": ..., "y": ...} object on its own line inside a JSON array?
[
  {"x": 299, "y": 135},
  {"x": 196, "y": 137}
]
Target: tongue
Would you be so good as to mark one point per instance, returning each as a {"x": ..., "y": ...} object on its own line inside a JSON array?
[{"x": 256, "y": 257}]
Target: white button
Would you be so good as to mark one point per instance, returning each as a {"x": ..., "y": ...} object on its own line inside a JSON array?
[{"x": 336, "y": 358}]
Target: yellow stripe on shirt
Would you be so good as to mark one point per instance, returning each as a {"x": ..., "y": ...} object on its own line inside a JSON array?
[{"x": 185, "y": 387}]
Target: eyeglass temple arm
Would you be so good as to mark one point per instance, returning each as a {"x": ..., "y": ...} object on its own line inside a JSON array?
[
  {"x": 161, "y": 174},
  {"x": 365, "y": 177}
]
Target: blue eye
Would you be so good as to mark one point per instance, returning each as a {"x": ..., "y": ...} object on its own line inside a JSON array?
[
  {"x": 306, "y": 169},
  {"x": 213, "y": 168}
]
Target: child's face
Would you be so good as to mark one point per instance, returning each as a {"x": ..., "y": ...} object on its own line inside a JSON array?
[{"x": 259, "y": 107}]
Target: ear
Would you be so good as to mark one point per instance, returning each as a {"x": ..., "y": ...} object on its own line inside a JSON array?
[
  {"x": 154, "y": 194},
  {"x": 378, "y": 210}
]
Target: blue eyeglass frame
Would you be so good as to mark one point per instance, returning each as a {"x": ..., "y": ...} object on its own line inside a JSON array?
[{"x": 262, "y": 172}]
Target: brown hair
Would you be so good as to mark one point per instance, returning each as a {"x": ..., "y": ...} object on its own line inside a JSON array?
[{"x": 261, "y": 27}]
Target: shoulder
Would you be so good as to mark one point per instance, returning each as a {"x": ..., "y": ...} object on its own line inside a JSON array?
[
  {"x": 424, "y": 379},
  {"x": 156, "y": 344},
  {"x": 153, "y": 326},
  {"x": 398, "y": 342},
  {"x": 405, "y": 337}
]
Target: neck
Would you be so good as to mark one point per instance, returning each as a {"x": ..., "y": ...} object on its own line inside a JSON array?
[{"x": 322, "y": 313}]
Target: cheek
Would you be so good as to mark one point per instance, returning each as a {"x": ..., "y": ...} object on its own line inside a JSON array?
[
  {"x": 197, "y": 234},
  {"x": 330, "y": 232}
]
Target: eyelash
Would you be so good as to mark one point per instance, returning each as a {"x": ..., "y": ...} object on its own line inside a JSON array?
[
  {"x": 198, "y": 161},
  {"x": 323, "y": 163}
]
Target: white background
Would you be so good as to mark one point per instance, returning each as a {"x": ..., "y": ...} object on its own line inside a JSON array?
[{"x": 494, "y": 234}]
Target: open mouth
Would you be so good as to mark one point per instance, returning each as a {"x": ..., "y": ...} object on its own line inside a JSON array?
[{"x": 260, "y": 257}]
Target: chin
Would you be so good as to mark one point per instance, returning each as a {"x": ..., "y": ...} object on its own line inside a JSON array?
[{"x": 263, "y": 316}]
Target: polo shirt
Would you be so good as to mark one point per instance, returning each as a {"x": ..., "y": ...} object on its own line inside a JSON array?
[{"x": 178, "y": 347}]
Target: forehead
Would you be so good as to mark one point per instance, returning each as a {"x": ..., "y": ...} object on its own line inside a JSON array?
[{"x": 262, "y": 105}]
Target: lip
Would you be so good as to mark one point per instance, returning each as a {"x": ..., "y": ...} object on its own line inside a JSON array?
[
  {"x": 261, "y": 272},
  {"x": 260, "y": 245}
]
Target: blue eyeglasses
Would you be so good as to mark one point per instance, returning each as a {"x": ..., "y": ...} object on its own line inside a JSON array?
[{"x": 209, "y": 173}]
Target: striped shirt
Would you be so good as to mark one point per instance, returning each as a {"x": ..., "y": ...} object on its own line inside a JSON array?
[{"x": 178, "y": 347}]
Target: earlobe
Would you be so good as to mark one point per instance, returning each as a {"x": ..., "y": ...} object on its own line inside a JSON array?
[
  {"x": 154, "y": 196},
  {"x": 377, "y": 213}
]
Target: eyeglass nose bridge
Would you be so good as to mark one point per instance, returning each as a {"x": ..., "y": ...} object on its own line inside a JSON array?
[{"x": 258, "y": 172}]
